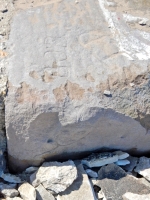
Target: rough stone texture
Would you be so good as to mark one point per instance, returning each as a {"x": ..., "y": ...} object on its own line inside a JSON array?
[
  {"x": 132, "y": 165},
  {"x": 11, "y": 178},
  {"x": 27, "y": 191},
  {"x": 15, "y": 198},
  {"x": 63, "y": 55},
  {"x": 114, "y": 182},
  {"x": 143, "y": 167},
  {"x": 81, "y": 188},
  {"x": 55, "y": 176},
  {"x": 101, "y": 159},
  {"x": 43, "y": 194},
  {"x": 131, "y": 196},
  {"x": 8, "y": 190}
]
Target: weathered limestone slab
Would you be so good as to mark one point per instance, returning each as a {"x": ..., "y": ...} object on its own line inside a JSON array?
[
  {"x": 80, "y": 189},
  {"x": 63, "y": 57}
]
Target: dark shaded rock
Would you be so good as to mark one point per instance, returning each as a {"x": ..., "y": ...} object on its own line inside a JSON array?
[
  {"x": 115, "y": 182},
  {"x": 133, "y": 163}
]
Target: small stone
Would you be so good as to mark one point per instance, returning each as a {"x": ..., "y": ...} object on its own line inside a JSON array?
[
  {"x": 8, "y": 190},
  {"x": 80, "y": 189},
  {"x": 91, "y": 173},
  {"x": 55, "y": 176},
  {"x": 100, "y": 159},
  {"x": 122, "y": 162},
  {"x": 100, "y": 195},
  {"x": 43, "y": 194},
  {"x": 76, "y": 2},
  {"x": 121, "y": 154},
  {"x": 132, "y": 84},
  {"x": 131, "y": 196},
  {"x": 11, "y": 178},
  {"x": 143, "y": 167},
  {"x": 27, "y": 191},
  {"x": 143, "y": 21},
  {"x": 31, "y": 170},
  {"x": 107, "y": 92},
  {"x": 133, "y": 163}
]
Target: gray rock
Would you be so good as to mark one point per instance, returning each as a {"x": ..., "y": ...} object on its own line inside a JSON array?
[
  {"x": 101, "y": 159},
  {"x": 43, "y": 194},
  {"x": 91, "y": 173},
  {"x": 31, "y": 170},
  {"x": 80, "y": 189},
  {"x": 133, "y": 163},
  {"x": 55, "y": 176},
  {"x": 131, "y": 196},
  {"x": 9, "y": 190},
  {"x": 114, "y": 182},
  {"x": 11, "y": 178},
  {"x": 143, "y": 167},
  {"x": 122, "y": 162},
  {"x": 61, "y": 58},
  {"x": 27, "y": 191}
]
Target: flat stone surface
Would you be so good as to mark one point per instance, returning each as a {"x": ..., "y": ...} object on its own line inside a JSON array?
[
  {"x": 122, "y": 162},
  {"x": 91, "y": 173},
  {"x": 15, "y": 198},
  {"x": 55, "y": 176},
  {"x": 131, "y": 196},
  {"x": 43, "y": 194},
  {"x": 114, "y": 182},
  {"x": 143, "y": 167},
  {"x": 62, "y": 56},
  {"x": 81, "y": 188},
  {"x": 27, "y": 191}
]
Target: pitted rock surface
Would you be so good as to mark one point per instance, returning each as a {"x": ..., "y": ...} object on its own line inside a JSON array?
[{"x": 63, "y": 55}]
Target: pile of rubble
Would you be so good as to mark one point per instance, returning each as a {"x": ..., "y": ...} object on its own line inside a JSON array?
[{"x": 114, "y": 176}]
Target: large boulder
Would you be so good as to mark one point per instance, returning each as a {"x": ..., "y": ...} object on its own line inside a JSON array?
[{"x": 78, "y": 79}]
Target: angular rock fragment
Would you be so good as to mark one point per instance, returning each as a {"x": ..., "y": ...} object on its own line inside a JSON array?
[
  {"x": 91, "y": 173},
  {"x": 31, "y": 170},
  {"x": 131, "y": 196},
  {"x": 27, "y": 191},
  {"x": 133, "y": 163},
  {"x": 11, "y": 178},
  {"x": 114, "y": 182},
  {"x": 80, "y": 189},
  {"x": 100, "y": 159},
  {"x": 10, "y": 193},
  {"x": 55, "y": 176},
  {"x": 43, "y": 194},
  {"x": 122, "y": 162},
  {"x": 143, "y": 167}
]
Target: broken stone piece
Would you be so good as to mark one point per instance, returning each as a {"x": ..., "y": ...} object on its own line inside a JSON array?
[
  {"x": 55, "y": 176},
  {"x": 101, "y": 159},
  {"x": 91, "y": 173},
  {"x": 121, "y": 154},
  {"x": 122, "y": 162},
  {"x": 143, "y": 167},
  {"x": 114, "y": 183},
  {"x": 27, "y": 191},
  {"x": 11, "y": 178},
  {"x": 107, "y": 92},
  {"x": 43, "y": 194},
  {"x": 31, "y": 170},
  {"x": 80, "y": 189},
  {"x": 10, "y": 193},
  {"x": 133, "y": 163},
  {"x": 131, "y": 196}
]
